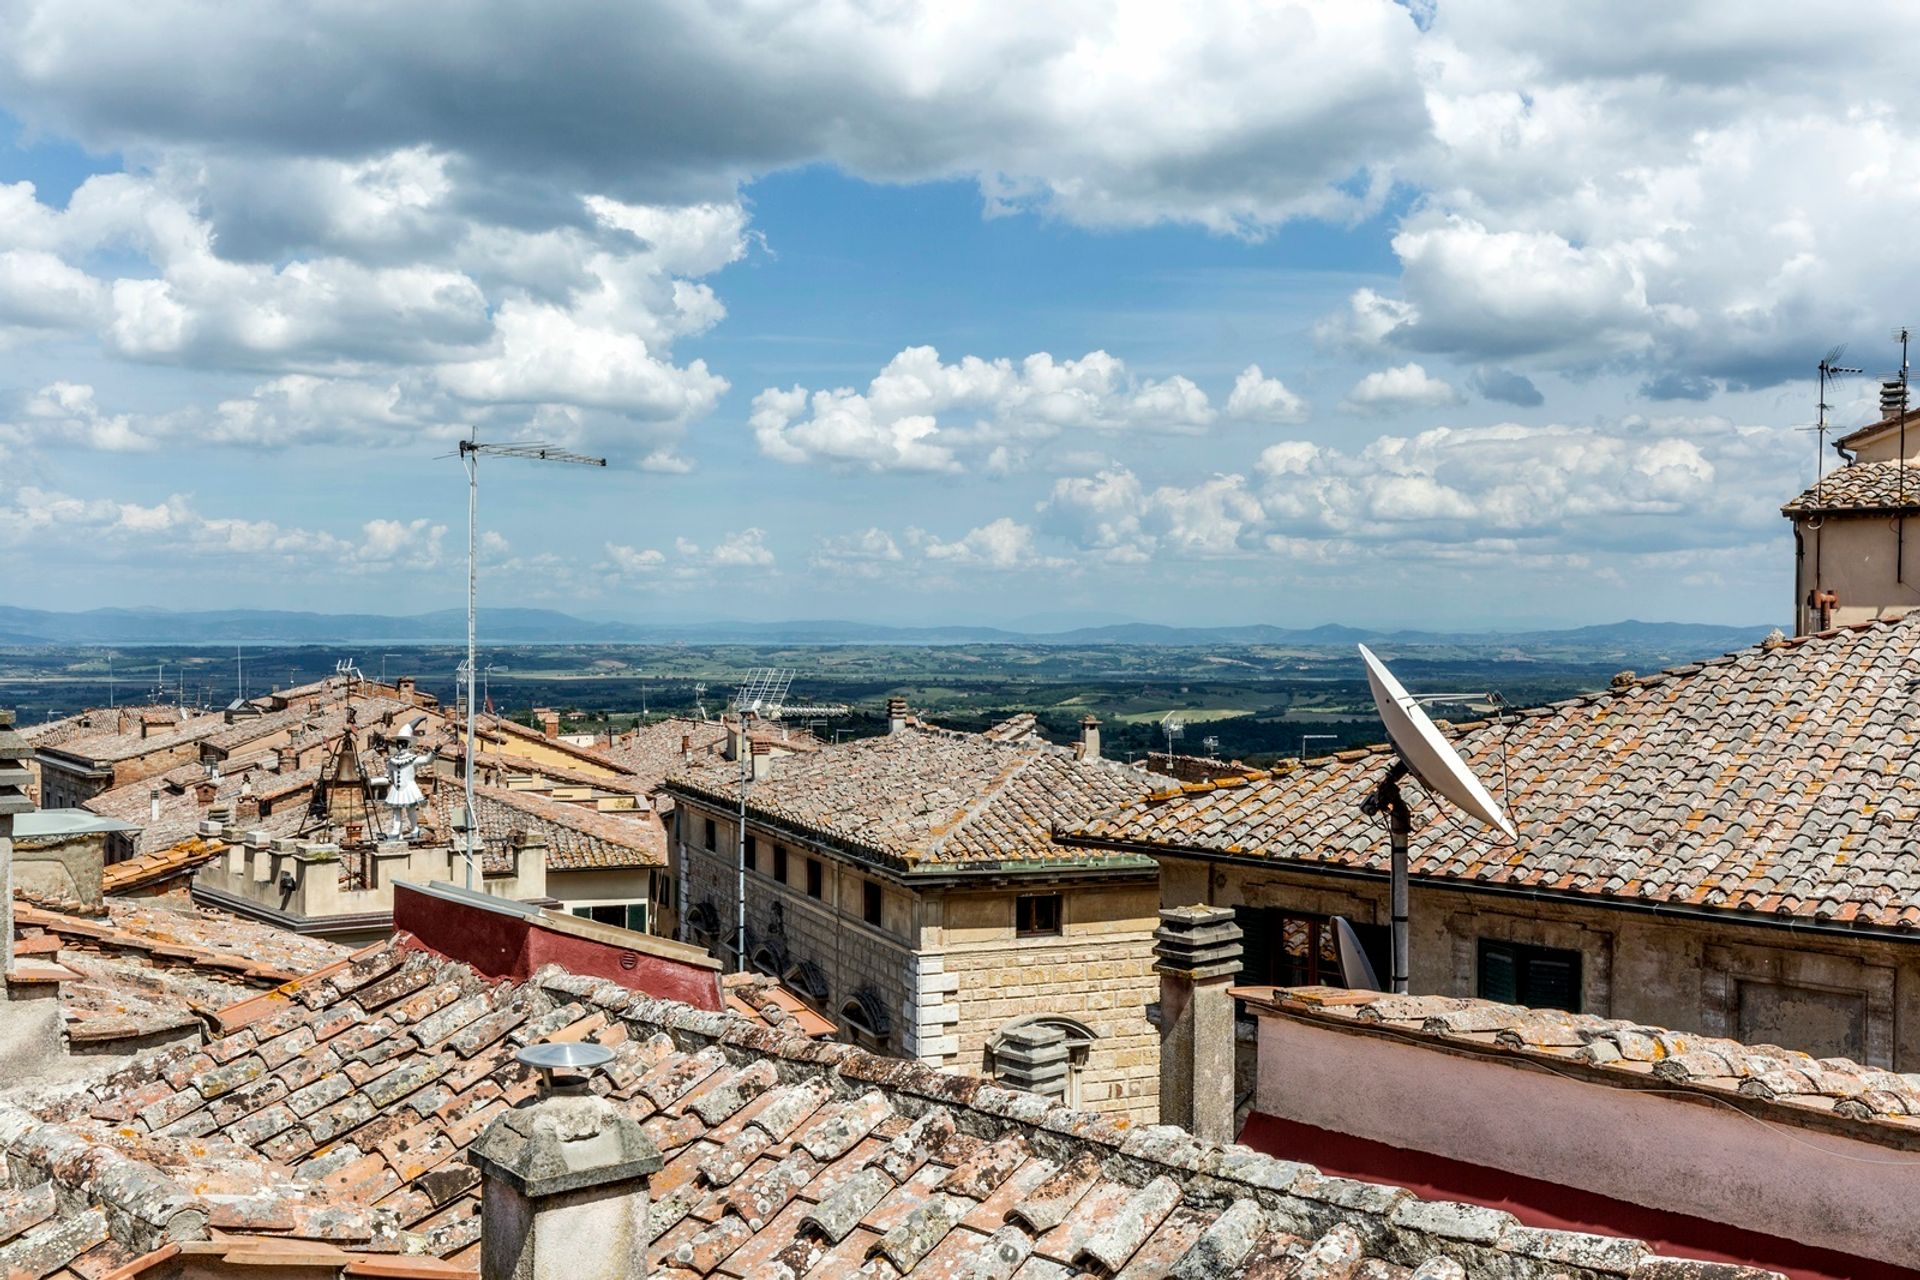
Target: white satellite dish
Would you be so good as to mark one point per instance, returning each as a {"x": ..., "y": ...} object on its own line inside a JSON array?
[{"x": 1428, "y": 755}]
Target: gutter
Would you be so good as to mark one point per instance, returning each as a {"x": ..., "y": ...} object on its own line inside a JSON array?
[{"x": 1682, "y": 911}]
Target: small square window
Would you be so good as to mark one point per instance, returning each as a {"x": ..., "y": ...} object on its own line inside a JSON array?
[
  {"x": 713, "y": 838},
  {"x": 816, "y": 878},
  {"x": 780, "y": 863},
  {"x": 873, "y": 900},
  {"x": 753, "y": 854},
  {"x": 1037, "y": 915},
  {"x": 1537, "y": 977}
]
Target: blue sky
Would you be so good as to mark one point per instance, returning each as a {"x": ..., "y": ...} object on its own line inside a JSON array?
[{"x": 1292, "y": 312}]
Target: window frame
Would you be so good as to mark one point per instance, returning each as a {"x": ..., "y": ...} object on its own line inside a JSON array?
[
  {"x": 1056, "y": 929},
  {"x": 1526, "y": 959},
  {"x": 713, "y": 836},
  {"x": 816, "y": 879},
  {"x": 873, "y": 903},
  {"x": 779, "y": 872}
]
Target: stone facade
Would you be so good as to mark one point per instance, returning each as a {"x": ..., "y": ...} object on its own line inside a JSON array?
[
  {"x": 1827, "y": 992},
  {"x": 946, "y": 965}
]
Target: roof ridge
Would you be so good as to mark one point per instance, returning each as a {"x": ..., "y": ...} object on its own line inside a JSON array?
[{"x": 990, "y": 793}]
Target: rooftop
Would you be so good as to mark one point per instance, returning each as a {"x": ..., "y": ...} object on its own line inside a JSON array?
[
  {"x": 577, "y": 837},
  {"x": 1861, "y": 486},
  {"x": 141, "y": 971},
  {"x": 653, "y": 750},
  {"x": 339, "y": 1110},
  {"x": 1778, "y": 782},
  {"x": 924, "y": 798}
]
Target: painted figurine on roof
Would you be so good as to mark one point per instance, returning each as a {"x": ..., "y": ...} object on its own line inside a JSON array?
[{"x": 404, "y": 798}]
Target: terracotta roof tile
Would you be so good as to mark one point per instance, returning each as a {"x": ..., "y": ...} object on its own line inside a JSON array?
[
  {"x": 1780, "y": 780},
  {"x": 1861, "y": 486},
  {"x": 783, "y": 1155}
]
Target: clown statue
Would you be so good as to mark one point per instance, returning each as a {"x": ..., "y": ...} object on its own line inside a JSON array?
[{"x": 403, "y": 793}]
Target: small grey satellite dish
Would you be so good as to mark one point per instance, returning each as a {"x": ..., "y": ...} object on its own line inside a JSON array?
[
  {"x": 1356, "y": 971},
  {"x": 1428, "y": 756}
]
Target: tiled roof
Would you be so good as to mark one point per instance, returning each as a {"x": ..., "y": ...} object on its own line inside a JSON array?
[
  {"x": 341, "y": 1108},
  {"x": 1779, "y": 781},
  {"x": 143, "y": 970},
  {"x": 924, "y": 797},
  {"x": 81, "y": 724},
  {"x": 111, "y": 737},
  {"x": 147, "y": 869},
  {"x": 577, "y": 836},
  {"x": 652, "y": 750},
  {"x": 1863, "y": 486},
  {"x": 1882, "y": 1103}
]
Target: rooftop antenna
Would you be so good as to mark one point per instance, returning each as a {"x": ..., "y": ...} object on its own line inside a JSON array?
[
  {"x": 1422, "y": 752},
  {"x": 1175, "y": 728},
  {"x": 1893, "y": 400},
  {"x": 1211, "y": 745},
  {"x": 1305, "y": 738},
  {"x": 700, "y": 700},
  {"x": 470, "y": 451},
  {"x": 109, "y": 679},
  {"x": 1830, "y": 370}
]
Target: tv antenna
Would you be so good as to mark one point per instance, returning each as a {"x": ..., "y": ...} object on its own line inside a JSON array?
[
  {"x": 1174, "y": 727},
  {"x": 1305, "y": 738},
  {"x": 353, "y": 675},
  {"x": 1831, "y": 370},
  {"x": 1211, "y": 745},
  {"x": 470, "y": 452},
  {"x": 764, "y": 693},
  {"x": 700, "y": 700},
  {"x": 1422, "y": 752},
  {"x": 1893, "y": 400}
]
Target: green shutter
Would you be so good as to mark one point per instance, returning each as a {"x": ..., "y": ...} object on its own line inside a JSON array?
[
  {"x": 637, "y": 916},
  {"x": 1499, "y": 973}
]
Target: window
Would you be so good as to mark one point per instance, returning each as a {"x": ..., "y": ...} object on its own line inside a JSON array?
[
  {"x": 864, "y": 1020},
  {"x": 780, "y": 863},
  {"x": 871, "y": 908},
  {"x": 1538, "y": 977},
  {"x": 1036, "y": 915},
  {"x": 623, "y": 915},
  {"x": 753, "y": 854},
  {"x": 712, "y": 837},
  {"x": 1296, "y": 949},
  {"x": 816, "y": 878}
]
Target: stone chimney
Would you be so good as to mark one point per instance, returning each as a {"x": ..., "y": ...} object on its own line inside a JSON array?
[
  {"x": 405, "y": 686},
  {"x": 564, "y": 1188},
  {"x": 1033, "y": 1057},
  {"x": 549, "y": 721},
  {"x": 762, "y": 759},
  {"x": 1089, "y": 737},
  {"x": 1197, "y": 953},
  {"x": 734, "y": 736},
  {"x": 153, "y": 804},
  {"x": 287, "y": 757},
  {"x": 896, "y": 714},
  {"x": 686, "y": 748}
]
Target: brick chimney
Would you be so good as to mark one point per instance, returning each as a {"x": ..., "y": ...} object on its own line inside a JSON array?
[
  {"x": 549, "y": 721},
  {"x": 405, "y": 686},
  {"x": 762, "y": 759},
  {"x": 686, "y": 748},
  {"x": 287, "y": 757},
  {"x": 1089, "y": 737},
  {"x": 896, "y": 714},
  {"x": 1197, "y": 953},
  {"x": 564, "y": 1188}
]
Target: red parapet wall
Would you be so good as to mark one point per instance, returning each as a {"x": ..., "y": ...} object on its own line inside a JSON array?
[{"x": 509, "y": 945}]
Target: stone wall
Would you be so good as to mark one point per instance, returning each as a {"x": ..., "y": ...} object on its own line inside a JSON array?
[
  {"x": 945, "y": 962},
  {"x": 1826, "y": 993}
]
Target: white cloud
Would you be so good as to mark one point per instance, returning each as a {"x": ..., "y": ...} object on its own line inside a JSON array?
[
  {"x": 869, "y": 553},
  {"x": 1258, "y": 398},
  {"x": 1408, "y": 386},
  {"x": 1000, "y": 544},
  {"x": 636, "y": 561},
  {"x": 906, "y": 418}
]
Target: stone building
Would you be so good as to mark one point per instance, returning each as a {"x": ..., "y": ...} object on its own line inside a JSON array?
[
  {"x": 1726, "y": 847},
  {"x": 908, "y": 883}
]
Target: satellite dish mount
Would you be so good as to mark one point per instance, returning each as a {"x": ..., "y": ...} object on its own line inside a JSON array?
[{"x": 1422, "y": 752}]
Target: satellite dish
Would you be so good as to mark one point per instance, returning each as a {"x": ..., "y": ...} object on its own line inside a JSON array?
[
  {"x": 1428, "y": 755},
  {"x": 1356, "y": 971}
]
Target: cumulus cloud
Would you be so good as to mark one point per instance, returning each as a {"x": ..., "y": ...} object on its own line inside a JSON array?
[
  {"x": 869, "y": 553},
  {"x": 1001, "y": 544},
  {"x": 1506, "y": 387},
  {"x": 1258, "y": 398},
  {"x": 921, "y": 414},
  {"x": 1409, "y": 386}
]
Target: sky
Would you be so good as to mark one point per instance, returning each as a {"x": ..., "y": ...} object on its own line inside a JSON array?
[{"x": 1461, "y": 313}]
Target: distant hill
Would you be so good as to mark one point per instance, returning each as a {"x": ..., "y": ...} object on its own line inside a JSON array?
[{"x": 132, "y": 627}]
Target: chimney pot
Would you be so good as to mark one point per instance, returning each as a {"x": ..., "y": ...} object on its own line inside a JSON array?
[
  {"x": 1090, "y": 737},
  {"x": 1197, "y": 954},
  {"x": 896, "y": 714},
  {"x": 549, "y": 721},
  {"x": 762, "y": 759},
  {"x": 564, "y": 1190}
]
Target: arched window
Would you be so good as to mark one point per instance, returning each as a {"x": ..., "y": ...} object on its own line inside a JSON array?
[
  {"x": 865, "y": 1021},
  {"x": 1044, "y": 1053},
  {"x": 703, "y": 922},
  {"x": 770, "y": 958},
  {"x": 809, "y": 979}
]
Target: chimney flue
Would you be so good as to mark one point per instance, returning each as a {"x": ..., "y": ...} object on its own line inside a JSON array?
[
  {"x": 1197, "y": 954},
  {"x": 1090, "y": 737},
  {"x": 896, "y": 714},
  {"x": 762, "y": 759},
  {"x": 549, "y": 721}
]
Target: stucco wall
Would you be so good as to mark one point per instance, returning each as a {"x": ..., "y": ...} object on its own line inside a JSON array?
[
  {"x": 1856, "y": 557},
  {"x": 1663, "y": 1152},
  {"x": 1821, "y": 992}
]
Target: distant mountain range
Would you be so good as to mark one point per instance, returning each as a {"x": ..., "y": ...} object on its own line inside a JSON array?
[{"x": 542, "y": 626}]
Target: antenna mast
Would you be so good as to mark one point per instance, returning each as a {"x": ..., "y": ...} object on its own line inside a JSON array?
[
  {"x": 470, "y": 451},
  {"x": 1893, "y": 400}
]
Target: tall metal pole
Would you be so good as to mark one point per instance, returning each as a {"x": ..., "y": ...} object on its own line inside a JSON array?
[
  {"x": 740, "y": 854},
  {"x": 1387, "y": 798},
  {"x": 472, "y": 460}
]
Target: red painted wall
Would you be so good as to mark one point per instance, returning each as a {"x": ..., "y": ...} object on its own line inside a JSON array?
[{"x": 513, "y": 947}]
